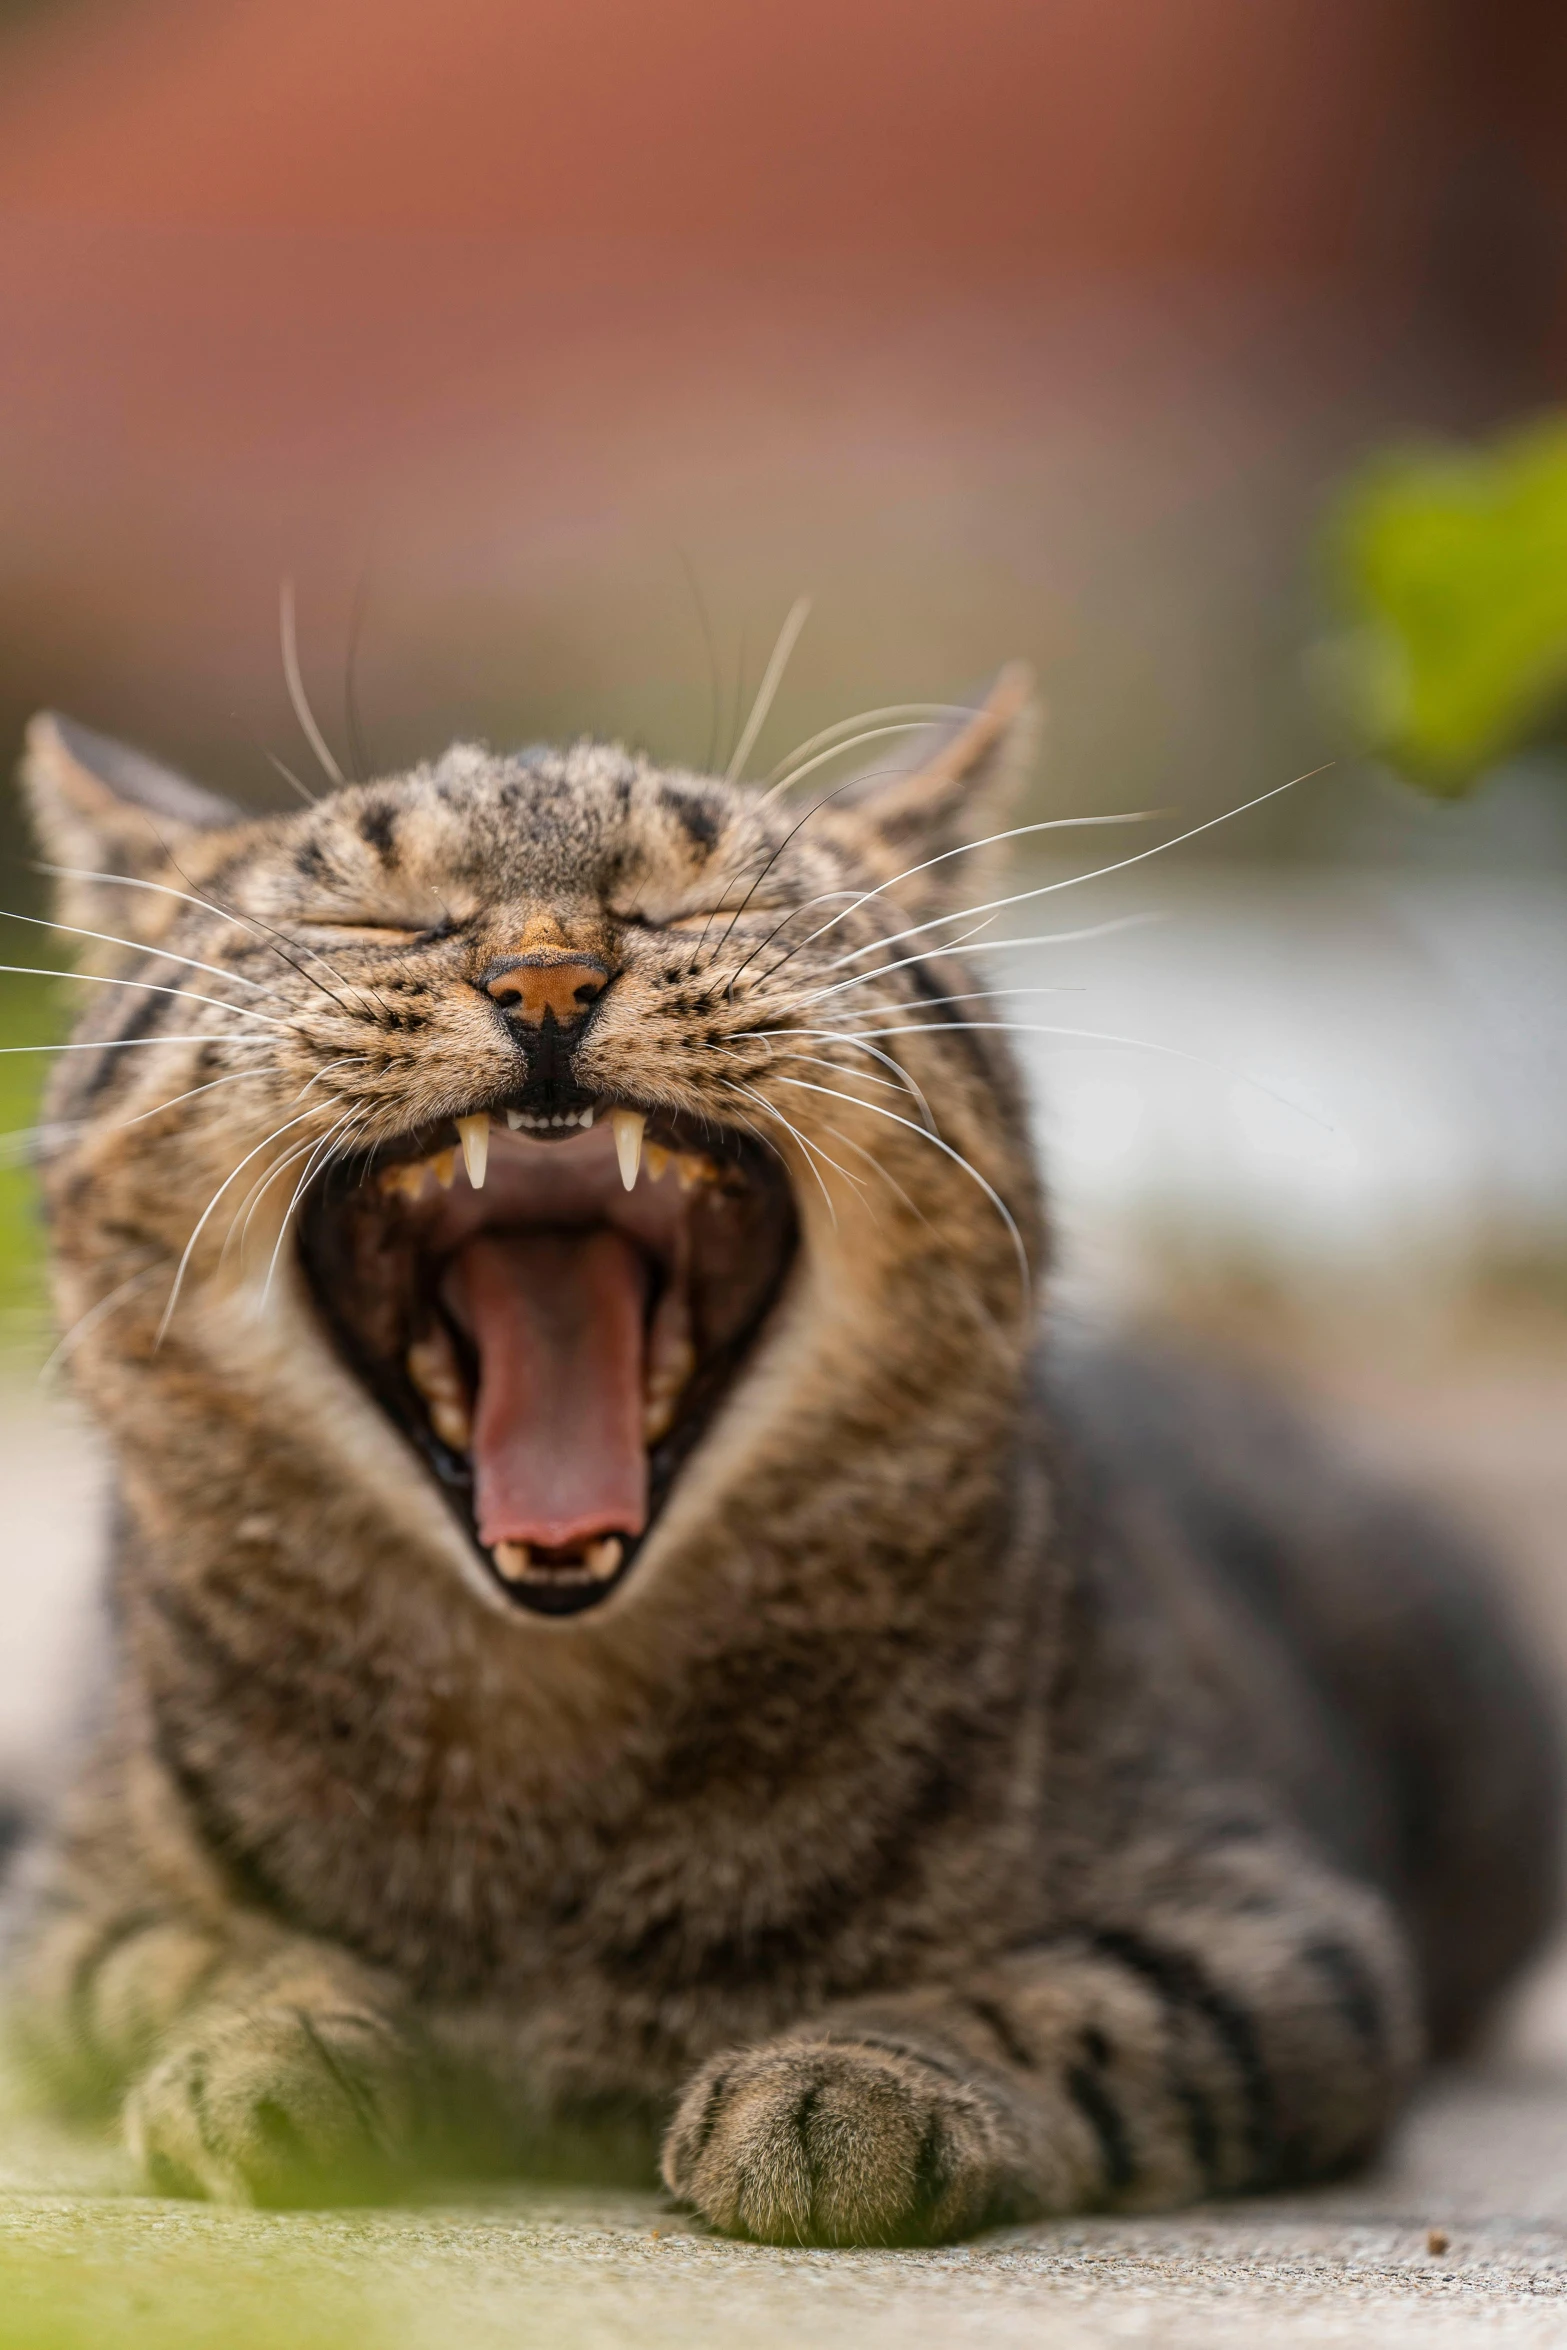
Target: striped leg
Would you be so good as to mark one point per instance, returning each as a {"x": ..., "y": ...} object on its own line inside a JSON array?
[{"x": 1196, "y": 2051}]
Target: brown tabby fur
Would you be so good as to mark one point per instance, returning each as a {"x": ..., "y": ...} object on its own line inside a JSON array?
[{"x": 1005, "y": 1784}]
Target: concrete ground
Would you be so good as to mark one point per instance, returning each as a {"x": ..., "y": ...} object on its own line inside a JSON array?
[{"x": 1459, "y": 2235}]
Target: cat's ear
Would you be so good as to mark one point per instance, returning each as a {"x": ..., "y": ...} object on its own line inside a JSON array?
[
  {"x": 960, "y": 785},
  {"x": 100, "y": 809}
]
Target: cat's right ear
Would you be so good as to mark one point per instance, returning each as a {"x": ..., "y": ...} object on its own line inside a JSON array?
[{"x": 100, "y": 809}]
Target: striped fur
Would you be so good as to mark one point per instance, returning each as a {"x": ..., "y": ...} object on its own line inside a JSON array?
[{"x": 1008, "y": 1782}]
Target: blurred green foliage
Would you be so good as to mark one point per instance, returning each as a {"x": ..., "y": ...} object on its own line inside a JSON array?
[
  {"x": 1451, "y": 568},
  {"x": 32, "y": 1012}
]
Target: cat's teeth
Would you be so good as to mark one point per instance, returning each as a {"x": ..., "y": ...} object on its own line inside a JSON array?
[
  {"x": 407, "y": 1177},
  {"x": 444, "y": 1166},
  {"x": 657, "y": 1161},
  {"x": 514, "y": 1560},
  {"x": 431, "y": 1364},
  {"x": 693, "y": 1170},
  {"x": 474, "y": 1135},
  {"x": 514, "y": 1119},
  {"x": 628, "y": 1125},
  {"x": 603, "y": 1558},
  {"x": 585, "y": 1117}
]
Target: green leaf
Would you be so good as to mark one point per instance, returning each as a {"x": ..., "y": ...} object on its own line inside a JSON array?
[{"x": 1450, "y": 568}]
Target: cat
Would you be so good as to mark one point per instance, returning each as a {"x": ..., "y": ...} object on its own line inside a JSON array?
[{"x": 635, "y": 1643}]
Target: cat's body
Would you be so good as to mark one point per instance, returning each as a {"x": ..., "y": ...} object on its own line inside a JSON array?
[{"x": 976, "y": 1784}]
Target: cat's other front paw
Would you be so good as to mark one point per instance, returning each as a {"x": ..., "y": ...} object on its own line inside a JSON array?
[
  {"x": 814, "y": 2141},
  {"x": 278, "y": 2105}
]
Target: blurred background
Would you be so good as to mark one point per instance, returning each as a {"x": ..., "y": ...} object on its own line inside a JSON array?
[{"x": 1200, "y": 352}]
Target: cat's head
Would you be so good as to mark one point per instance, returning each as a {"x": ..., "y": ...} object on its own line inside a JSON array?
[{"x": 554, "y": 1166}]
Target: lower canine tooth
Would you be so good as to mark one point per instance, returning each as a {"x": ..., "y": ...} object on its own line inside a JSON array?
[
  {"x": 628, "y": 1125},
  {"x": 602, "y": 1558},
  {"x": 474, "y": 1135},
  {"x": 514, "y": 1560}
]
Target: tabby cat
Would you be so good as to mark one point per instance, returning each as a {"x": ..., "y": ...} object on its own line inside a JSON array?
[{"x": 626, "y": 1636}]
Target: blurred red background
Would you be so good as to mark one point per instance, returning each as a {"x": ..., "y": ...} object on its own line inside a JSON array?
[{"x": 1015, "y": 326}]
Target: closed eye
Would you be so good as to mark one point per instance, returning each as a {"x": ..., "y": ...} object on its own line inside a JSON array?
[{"x": 371, "y": 933}]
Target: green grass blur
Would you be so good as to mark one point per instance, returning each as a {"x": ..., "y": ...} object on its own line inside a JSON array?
[{"x": 32, "y": 1012}]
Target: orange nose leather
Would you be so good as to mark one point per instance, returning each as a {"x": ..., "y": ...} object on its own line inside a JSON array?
[{"x": 564, "y": 986}]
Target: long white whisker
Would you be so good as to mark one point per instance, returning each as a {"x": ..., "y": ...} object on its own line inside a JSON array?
[
  {"x": 346, "y": 1061},
  {"x": 262, "y": 932},
  {"x": 772, "y": 677},
  {"x": 871, "y": 1160},
  {"x": 878, "y": 1110},
  {"x": 235, "y": 1077},
  {"x": 14, "y": 1154},
  {"x": 87, "y": 1323},
  {"x": 770, "y": 1111},
  {"x": 344, "y": 1126},
  {"x": 992, "y": 946},
  {"x": 905, "y": 1083},
  {"x": 101, "y": 979},
  {"x": 296, "y": 684},
  {"x": 1076, "y": 880},
  {"x": 201, "y": 1224},
  {"x": 964, "y": 849},
  {"x": 124, "y": 1044},
  {"x": 911, "y": 713},
  {"x": 136, "y": 946},
  {"x": 1142, "y": 1044},
  {"x": 310, "y": 798}
]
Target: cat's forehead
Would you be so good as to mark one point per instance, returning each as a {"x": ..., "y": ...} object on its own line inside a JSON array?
[{"x": 577, "y": 815}]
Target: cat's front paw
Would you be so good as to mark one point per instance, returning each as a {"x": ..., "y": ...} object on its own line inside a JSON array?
[
  {"x": 814, "y": 2141},
  {"x": 278, "y": 2105}
]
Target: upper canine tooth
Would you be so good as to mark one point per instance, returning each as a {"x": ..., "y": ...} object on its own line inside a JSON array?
[
  {"x": 628, "y": 1125},
  {"x": 444, "y": 1164},
  {"x": 474, "y": 1135}
]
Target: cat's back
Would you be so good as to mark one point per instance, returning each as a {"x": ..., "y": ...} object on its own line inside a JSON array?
[{"x": 1372, "y": 1654}]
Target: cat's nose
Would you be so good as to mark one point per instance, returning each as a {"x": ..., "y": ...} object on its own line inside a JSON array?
[{"x": 547, "y": 989}]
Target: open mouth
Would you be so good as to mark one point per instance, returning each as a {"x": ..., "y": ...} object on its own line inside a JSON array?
[{"x": 552, "y": 1312}]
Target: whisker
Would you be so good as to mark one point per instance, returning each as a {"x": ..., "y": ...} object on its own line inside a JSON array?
[
  {"x": 877, "y": 1110},
  {"x": 15, "y": 1150},
  {"x": 1076, "y": 880},
  {"x": 905, "y": 1082},
  {"x": 317, "y": 1159},
  {"x": 87, "y": 1323},
  {"x": 124, "y": 1044},
  {"x": 1143, "y": 1044},
  {"x": 232, "y": 1177},
  {"x": 772, "y": 677},
  {"x": 135, "y": 945},
  {"x": 147, "y": 986},
  {"x": 992, "y": 946},
  {"x": 296, "y": 684},
  {"x": 770, "y": 1111},
  {"x": 310, "y": 798},
  {"x": 871, "y": 1160},
  {"x": 914, "y": 714}
]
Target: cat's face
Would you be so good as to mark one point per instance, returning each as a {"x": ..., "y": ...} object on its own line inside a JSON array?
[{"x": 598, "y": 1136}]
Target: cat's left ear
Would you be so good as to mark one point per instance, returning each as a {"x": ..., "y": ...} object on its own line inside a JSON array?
[
  {"x": 959, "y": 786},
  {"x": 100, "y": 808}
]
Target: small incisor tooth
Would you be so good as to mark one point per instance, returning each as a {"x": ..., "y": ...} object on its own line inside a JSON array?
[
  {"x": 602, "y": 1558},
  {"x": 628, "y": 1125},
  {"x": 514, "y": 1560},
  {"x": 474, "y": 1135}
]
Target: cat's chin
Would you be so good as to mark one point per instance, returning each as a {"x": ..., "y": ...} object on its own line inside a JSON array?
[{"x": 552, "y": 1309}]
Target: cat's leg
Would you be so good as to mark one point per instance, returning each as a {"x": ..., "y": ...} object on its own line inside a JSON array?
[
  {"x": 1202, "y": 2047},
  {"x": 253, "y": 2066}
]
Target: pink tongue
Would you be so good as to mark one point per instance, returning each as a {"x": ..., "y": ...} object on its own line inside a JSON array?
[{"x": 557, "y": 1320}]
